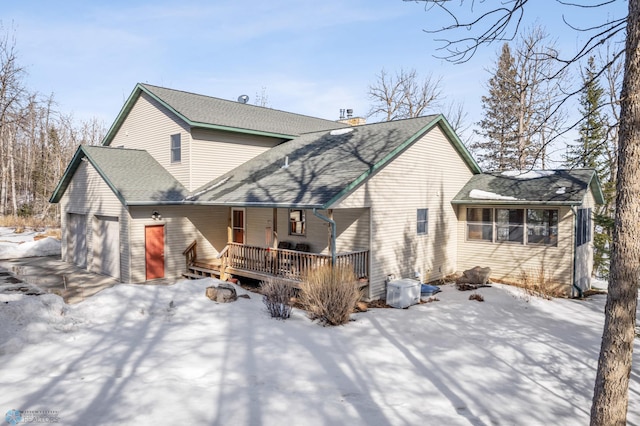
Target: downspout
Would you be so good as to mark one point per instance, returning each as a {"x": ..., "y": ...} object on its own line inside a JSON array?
[
  {"x": 333, "y": 233},
  {"x": 575, "y": 251}
]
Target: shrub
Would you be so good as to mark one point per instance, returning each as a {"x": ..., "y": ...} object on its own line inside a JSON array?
[
  {"x": 476, "y": 296},
  {"x": 329, "y": 294},
  {"x": 277, "y": 294}
]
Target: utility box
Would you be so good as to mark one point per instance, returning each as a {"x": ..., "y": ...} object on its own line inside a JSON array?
[{"x": 403, "y": 293}]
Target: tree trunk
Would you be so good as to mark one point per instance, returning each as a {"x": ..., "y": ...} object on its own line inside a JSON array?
[{"x": 611, "y": 398}]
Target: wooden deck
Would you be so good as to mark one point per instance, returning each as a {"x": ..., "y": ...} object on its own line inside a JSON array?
[{"x": 263, "y": 263}]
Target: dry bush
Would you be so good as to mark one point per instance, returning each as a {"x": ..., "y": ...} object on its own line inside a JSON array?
[
  {"x": 540, "y": 284},
  {"x": 476, "y": 296},
  {"x": 277, "y": 295},
  {"x": 30, "y": 222},
  {"x": 330, "y": 294},
  {"x": 51, "y": 232}
]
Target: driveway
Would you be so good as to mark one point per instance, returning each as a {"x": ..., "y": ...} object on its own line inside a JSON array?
[{"x": 54, "y": 276}]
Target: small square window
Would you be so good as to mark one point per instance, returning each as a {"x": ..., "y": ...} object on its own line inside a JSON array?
[
  {"x": 176, "y": 148},
  {"x": 422, "y": 219},
  {"x": 296, "y": 222}
]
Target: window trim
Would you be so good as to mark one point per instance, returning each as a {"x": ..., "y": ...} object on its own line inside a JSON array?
[
  {"x": 552, "y": 238},
  {"x": 583, "y": 226},
  {"x": 424, "y": 222},
  {"x": 302, "y": 221},
  {"x": 176, "y": 158}
]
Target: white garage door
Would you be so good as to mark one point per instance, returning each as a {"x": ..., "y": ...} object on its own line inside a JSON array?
[
  {"x": 77, "y": 239},
  {"x": 106, "y": 246}
]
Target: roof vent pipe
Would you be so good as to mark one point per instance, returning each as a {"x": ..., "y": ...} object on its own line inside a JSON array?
[{"x": 286, "y": 162}]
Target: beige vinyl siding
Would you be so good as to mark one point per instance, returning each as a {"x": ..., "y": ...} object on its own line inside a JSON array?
[
  {"x": 509, "y": 261},
  {"x": 182, "y": 225},
  {"x": 352, "y": 229},
  {"x": 427, "y": 175},
  {"x": 584, "y": 253},
  {"x": 149, "y": 127},
  {"x": 88, "y": 194},
  {"x": 257, "y": 220},
  {"x": 216, "y": 152}
]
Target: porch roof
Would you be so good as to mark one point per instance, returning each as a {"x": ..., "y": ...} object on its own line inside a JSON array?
[
  {"x": 318, "y": 169},
  {"x": 550, "y": 187}
]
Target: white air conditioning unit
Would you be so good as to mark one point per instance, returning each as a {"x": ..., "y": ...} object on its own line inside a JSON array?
[{"x": 403, "y": 293}]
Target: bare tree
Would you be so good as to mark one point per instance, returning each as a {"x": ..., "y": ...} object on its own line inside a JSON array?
[
  {"x": 501, "y": 23},
  {"x": 403, "y": 95}
]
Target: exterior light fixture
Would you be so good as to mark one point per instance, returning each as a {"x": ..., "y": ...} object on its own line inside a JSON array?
[{"x": 156, "y": 215}]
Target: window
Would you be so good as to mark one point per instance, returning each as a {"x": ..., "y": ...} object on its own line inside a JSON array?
[
  {"x": 176, "y": 148},
  {"x": 480, "y": 224},
  {"x": 542, "y": 227},
  {"x": 237, "y": 226},
  {"x": 296, "y": 222},
  {"x": 509, "y": 225},
  {"x": 423, "y": 221},
  {"x": 583, "y": 225}
]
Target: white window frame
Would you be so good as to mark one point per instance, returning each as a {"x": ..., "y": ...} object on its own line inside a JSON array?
[
  {"x": 297, "y": 227},
  {"x": 176, "y": 151},
  {"x": 424, "y": 222}
]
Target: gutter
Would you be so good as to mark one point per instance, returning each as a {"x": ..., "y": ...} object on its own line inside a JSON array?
[
  {"x": 575, "y": 252},
  {"x": 333, "y": 234}
]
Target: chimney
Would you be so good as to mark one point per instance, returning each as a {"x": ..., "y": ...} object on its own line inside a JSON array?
[{"x": 350, "y": 119}]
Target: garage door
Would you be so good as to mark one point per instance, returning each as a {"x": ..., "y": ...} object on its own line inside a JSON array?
[
  {"x": 77, "y": 239},
  {"x": 106, "y": 246}
]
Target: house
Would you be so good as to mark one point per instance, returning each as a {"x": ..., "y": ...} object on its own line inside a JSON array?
[{"x": 185, "y": 182}]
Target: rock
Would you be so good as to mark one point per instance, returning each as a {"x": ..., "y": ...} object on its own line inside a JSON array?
[
  {"x": 224, "y": 293},
  {"x": 476, "y": 275},
  {"x": 211, "y": 293}
]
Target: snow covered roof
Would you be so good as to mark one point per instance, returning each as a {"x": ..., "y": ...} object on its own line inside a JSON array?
[{"x": 560, "y": 187}]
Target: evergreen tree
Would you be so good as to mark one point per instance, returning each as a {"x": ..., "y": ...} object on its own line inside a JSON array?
[
  {"x": 499, "y": 125},
  {"x": 590, "y": 152}
]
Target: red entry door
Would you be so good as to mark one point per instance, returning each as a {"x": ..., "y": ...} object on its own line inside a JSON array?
[{"x": 154, "y": 251}]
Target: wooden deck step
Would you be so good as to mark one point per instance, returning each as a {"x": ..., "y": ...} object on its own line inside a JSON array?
[
  {"x": 200, "y": 269},
  {"x": 192, "y": 276}
]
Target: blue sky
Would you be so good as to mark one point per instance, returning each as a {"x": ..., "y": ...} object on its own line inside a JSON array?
[{"x": 310, "y": 57}]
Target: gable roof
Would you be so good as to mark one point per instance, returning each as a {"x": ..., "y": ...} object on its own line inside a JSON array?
[
  {"x": 202, "y": 111},
  {"x": 547, "y": 187},
  {"x": 133, "y": 175},
  {"x": 318, "y": 169}
]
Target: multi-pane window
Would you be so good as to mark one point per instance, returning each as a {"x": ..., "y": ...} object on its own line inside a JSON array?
[
  {"x": 480, "y": 224},
  {"x": 422, "y": 221},
  {"x": 583, "y": 225},
  {"x": 542, "y": 227},
  {"x": 296, "y": 222},
  {"x": 509, "y": 225},
  {"x": 176, "y": 148}
]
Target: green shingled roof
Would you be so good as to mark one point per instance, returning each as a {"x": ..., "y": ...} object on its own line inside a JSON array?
[
  {"x": 560, "y": 187},
  {"x": 318, "y": 169},
  {"x": 134, "y": 175},
  {"x": 202, "y": 111}
]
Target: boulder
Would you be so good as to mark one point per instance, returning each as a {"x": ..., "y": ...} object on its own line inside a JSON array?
[
  {"x": 223, "y": 293},
  {"x": 476, "y": 275}
]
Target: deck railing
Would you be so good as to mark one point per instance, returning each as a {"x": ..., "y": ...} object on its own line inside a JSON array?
[{"x": 290, "y": 264}]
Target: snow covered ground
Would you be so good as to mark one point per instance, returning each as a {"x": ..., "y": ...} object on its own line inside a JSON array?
[
  {"x": 14, "y": 245},
  {"x": 167, "y": 354},
  {"x": 148, "y": 355}
]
